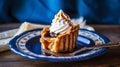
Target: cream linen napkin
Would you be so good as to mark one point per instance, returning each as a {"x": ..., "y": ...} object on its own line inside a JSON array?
[{"x": 6, "y": 36}]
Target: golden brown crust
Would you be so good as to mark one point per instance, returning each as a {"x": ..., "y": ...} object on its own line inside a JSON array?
[{"x": 62, "y": 43}]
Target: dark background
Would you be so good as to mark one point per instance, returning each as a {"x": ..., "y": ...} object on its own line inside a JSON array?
[{"x": 43, "y": 11}]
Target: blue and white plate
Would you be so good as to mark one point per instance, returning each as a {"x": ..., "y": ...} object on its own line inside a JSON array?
[{"x": 28, "y": 45}]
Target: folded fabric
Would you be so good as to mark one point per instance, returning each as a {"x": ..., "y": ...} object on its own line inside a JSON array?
[
  {"x": 37, "y": 11},
  {"x": 6, "y": 36}
]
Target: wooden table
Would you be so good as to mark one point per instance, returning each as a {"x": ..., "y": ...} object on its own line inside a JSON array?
[{"x": 109, "y": 59}]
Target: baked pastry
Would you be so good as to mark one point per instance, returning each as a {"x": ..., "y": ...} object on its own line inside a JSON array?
[{"x": 61, "y": 36}]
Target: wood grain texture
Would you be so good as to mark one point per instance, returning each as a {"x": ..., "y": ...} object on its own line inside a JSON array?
[{"x": 109, "y": 59}]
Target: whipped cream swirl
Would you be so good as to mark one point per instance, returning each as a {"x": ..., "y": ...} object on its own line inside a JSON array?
[{"x": 61, "y": 23}]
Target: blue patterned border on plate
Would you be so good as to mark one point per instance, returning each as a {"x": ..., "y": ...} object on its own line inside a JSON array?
[{"x": 19, "y": 45}]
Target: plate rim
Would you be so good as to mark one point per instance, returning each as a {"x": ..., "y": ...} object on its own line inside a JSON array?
[{"x": 15, "y": 50}]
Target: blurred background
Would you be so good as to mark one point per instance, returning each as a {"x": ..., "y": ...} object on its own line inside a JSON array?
[{"x": 43, "y": 11}]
